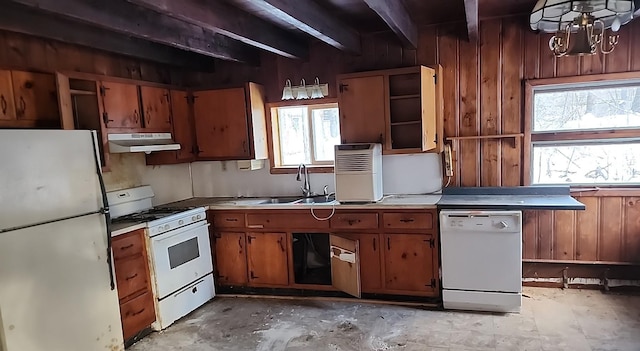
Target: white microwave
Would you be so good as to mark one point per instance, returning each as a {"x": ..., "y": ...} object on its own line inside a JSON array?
[{"x": 358, "y": 172}]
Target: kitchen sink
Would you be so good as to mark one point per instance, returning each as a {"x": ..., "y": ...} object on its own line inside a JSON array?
[
  {"x": 280, "y": 200},
  {"x": 316, "y": 200}
]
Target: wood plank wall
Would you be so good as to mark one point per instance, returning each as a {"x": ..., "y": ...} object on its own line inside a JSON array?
[
  {"x": 483, "y": 94},
  {"x": 19, "y": 51}
]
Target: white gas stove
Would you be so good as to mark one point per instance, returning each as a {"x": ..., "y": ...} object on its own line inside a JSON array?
[{"x": 178, "y": 244}]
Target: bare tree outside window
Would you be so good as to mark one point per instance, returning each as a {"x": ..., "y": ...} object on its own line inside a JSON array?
[{"x": 582, "y": 160}]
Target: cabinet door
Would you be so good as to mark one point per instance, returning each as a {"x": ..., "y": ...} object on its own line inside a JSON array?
[
  {"x": 267, "y": 258},
  {"x": 231, "y": 258},
  {"x": 121, "y": 105},
  {"x": 182, "y": 125},
  {"x": 222, "y": 131},
  {"x": 156, "y": 104},
  {"x": 345, "y": 265},
  {"x": 7, "y": 106},
  {"x": 362, "y": 110},
  {"x": 370, "y": 260},
  {"x": 35, "y": 96},
  {"x": 409, "y": 262}
]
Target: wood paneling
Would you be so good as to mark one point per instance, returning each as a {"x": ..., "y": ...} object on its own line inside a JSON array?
[
  {"x": 608, "y": 230},
  {"x": 24, "y": 52},
  {"x": 484, "y": 94}
]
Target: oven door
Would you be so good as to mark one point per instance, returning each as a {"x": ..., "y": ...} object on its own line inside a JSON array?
[{"x": 180, "y": 257}]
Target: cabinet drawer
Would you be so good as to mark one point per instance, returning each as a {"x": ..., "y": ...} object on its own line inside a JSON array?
[
  {"x": 408, "y": 220},
  {"x": 128, "y": 244},
  {"x": 281, "y": 220},
  {"x": 228, "y": 220},
  {"x": 137, "y": 314},
  {"x": 131, "y": 275},
  {"x": 355, "y": 221}
]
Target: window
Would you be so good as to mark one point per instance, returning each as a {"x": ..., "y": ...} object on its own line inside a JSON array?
[
  {"x": 305, "y": 134},
  {"x": 585, "y": 133}
]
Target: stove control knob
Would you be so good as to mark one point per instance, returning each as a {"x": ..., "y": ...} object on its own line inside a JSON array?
[
  {"x": 160, "y": 228},
  {"x": 193, "y": 218},
  {"x": 180, "y": 222},
  {"x": 198, "y": 217},
  {"x": 166, "y": 227}
]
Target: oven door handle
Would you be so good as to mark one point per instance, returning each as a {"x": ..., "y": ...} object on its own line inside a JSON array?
[{"x": 164, "y": 237}]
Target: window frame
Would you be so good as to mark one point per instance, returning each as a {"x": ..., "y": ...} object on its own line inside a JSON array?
[
  {"x": 573, "y": 136},
  {"x": 273, "y": 139}
]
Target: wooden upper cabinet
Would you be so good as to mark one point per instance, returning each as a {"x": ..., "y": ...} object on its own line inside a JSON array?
[
  {"x": 121, "y": 105},
  {"x": 230, "y": 123},
  {"x": 267, "y": 258},
  {"x": 362, "y": 109},
  {"x": 7, "y": 105},
  {"x": 182, "y": 132},
  {"x": 35, "y": 96},
  {"x": 400, "y": 108},
  {"x": 156, "y": 104}
]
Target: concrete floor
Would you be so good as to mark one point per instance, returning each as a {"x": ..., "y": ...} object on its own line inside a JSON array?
[{"x": 551, "y": 319}]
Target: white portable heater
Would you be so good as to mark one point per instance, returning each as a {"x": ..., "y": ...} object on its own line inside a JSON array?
[{"x": 358, "y": 172}]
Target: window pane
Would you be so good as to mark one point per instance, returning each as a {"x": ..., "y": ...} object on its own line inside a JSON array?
[
  {"x": 293, "y": 127},
  {"x": 326, "y": 133},
  {"x": 586, "y": 164},
  {"x": 594, "y": 108}
]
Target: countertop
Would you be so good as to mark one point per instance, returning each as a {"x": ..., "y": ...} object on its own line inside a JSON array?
[
  {"x": 221, "y": 203},
  {"x": 126, "y": 227},
  {"x": 510, "y": 198}
]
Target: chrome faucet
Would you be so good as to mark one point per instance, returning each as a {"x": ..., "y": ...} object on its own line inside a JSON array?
[{"x": 306, "y": 186}]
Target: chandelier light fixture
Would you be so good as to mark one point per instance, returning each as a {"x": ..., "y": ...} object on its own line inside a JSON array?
[{"x": 582, "y": 27}]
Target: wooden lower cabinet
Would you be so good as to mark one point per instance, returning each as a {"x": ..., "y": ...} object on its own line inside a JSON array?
[
  {"x": 396, "y": 251},
  {"x": 409, "y": 263},
  {"x": 137, "y": 314},
  {"x": 267, "y": 258},
  {"x": 137, "y": 310},
  {"x": 370, "y": 261},
  {"x": 231, "y": 258}
]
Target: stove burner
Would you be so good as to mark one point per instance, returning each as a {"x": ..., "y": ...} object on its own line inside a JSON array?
[{"x": 146, "y": 216}]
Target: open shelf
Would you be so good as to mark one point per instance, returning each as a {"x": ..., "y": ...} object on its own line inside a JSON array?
[{"x": 410, "y": 96}]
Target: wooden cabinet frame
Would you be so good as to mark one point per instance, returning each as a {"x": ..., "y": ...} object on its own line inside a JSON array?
[{"x": 291, "y": 222}]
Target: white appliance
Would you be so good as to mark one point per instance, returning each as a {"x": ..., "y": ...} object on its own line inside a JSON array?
[
  {"x": 141, "y": 142},
  {"x": 481, "y": 260},
  {"x": 178, "y": 243},
  {"x": 57, "y": 288},
  {"x": 358, "y": 172}
]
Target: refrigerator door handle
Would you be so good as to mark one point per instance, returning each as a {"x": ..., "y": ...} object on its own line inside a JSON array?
[{"x": 105, "y": 208}]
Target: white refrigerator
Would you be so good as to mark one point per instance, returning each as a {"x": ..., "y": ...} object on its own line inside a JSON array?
[{"x": 56, "y": 278}]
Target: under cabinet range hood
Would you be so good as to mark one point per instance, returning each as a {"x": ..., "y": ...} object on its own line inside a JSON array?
[{"x": 141, "y": 142}]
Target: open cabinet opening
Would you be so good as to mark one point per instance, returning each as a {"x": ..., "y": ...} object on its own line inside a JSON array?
[{"x": 311, "y": 258}]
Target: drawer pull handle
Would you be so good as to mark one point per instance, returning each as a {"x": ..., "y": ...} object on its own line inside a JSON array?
[
  {"x": 374, "y": 244},
  {"x": 137, "y": 313},
  {"x": 353, "y": 221},
  {"x": 126, "y": 247},
  {"x": 231, "y": 219},
  {"x": 131, "y": 276},
  {"x": 255, "y": 226},
  {"x": 407, "y": 220}
]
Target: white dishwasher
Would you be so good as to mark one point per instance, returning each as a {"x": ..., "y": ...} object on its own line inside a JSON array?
[{"x": 481, "y": 260}]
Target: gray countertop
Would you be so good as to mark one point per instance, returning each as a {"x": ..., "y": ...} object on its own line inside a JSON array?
[{"x": 510, "y": 198}]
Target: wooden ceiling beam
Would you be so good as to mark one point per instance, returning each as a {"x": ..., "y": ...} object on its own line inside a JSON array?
[
  {"x": 398, "y": 19},
  {"x": 311, "y": 19},
  {"x": 471, "y": 14},
  {"x": 125, "y": 18},
  {"x": 21, "y": 19},
  {"x": 223, "y": 18}
]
